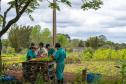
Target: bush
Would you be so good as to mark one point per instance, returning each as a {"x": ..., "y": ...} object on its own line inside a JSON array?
[
  {"x": 10, "y": 50},
  {"x": 23, "y": 51},
  {"x": 73, "y": 58},
  {"x": 87, "y": 54},
  {"x": 102, "y": 54},
  {"x": 105, "y": 54}
]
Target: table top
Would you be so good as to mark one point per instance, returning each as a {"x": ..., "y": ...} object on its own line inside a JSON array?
[{"x": 38, "y": 62}]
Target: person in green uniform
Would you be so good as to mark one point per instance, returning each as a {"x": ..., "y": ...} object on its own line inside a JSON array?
[
  {"x": 59, "y": 57},
  {"x": 31, "y": 52},
  {"x": 50, "y": 50}
]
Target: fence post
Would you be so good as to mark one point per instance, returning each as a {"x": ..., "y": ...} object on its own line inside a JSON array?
[{"x": 84, "y": 75}]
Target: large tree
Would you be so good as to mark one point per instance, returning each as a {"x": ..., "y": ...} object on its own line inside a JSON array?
[
  {"x": 35, "y": 35},
  {"x": 19, "y": 37},
  {"x": 96, "y": 41},
  {"x": 28, "y": 6},
  {"x": 38, "y": 35},
  {"x": 62, "y": 39}
]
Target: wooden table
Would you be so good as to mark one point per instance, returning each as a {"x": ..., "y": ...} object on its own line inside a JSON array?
[{"x": 32, "y": 69}]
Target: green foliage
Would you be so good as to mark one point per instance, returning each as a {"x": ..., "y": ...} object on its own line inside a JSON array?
[
  {"x": 39, "y": 79},
  {"x": 1, "y": 20},
  {"x": 73, "y": 58},
  {"x": 46, "y": 35},
  {"x": 19, "y": 37},
  {"x": 5, "y": 42},
  {"x": 87, "y": 54},
  {"x": 102, "y": 54},
  {"x": 37, "y": 35},
  {"x": 54, "y": 5},
  {"x": 91, "y": 4},
  {"x": 75, "y": 43},
  {"x": 123, "y": 70},
  {"x": 20, "y": 3},
  {"x": 66, "y": 2},
  {"x": 10, "y": 50},
  {"x": 62, "y": 40},
  {"x": 105, "y": 54},
  {"x": 24, "y": 51},
  {"x": 99, "y": 54},
  {"x": 96, "y": 42}
]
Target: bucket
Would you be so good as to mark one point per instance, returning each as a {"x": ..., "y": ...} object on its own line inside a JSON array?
[{"x": 93, "y": 78}]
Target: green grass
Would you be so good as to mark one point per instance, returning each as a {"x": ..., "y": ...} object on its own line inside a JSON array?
[{"x": 110, "y": 74}]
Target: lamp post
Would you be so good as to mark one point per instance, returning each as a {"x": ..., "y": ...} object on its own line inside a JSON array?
[{"x": 54, "y": 24}]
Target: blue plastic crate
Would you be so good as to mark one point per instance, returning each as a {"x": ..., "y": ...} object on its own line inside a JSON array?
[{"x": 93, "y": 78}]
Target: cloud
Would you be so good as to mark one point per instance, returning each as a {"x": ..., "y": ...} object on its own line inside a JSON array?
[{"x": 110, "y": 20}]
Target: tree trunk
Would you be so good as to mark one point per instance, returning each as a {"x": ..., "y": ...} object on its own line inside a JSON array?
[{"x": 0, "y": 56}]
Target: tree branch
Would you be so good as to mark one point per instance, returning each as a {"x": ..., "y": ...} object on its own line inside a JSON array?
[
  {"x": 5, "y": 15},
  {"x": 25, "y": 7},
  {"x": 16, "y": 7},
  {"x": 11, "y": 22}
]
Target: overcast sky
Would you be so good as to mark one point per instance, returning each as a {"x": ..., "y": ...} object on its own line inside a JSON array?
[{"x": 110, "y": 20}]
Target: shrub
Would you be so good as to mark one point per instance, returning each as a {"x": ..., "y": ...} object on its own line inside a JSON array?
[
  {"x": 87, "y": 54},
  {"x": 10, "y": 50}
]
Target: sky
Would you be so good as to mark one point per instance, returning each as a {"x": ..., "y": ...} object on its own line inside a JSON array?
[{"x": 109, "y": 20}]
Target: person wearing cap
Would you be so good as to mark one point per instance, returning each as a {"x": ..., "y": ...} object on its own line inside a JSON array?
[
  {"x": 31, "y": 52},
  {"x": 50, "y": 50},
  {"x": 59, "y": 56}
]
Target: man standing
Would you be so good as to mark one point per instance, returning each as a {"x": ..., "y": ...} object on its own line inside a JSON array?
[
  {"x": 42, "y": 52},
  {"x": 59, "y": 57},
  {"x": 50, "y": 50}
]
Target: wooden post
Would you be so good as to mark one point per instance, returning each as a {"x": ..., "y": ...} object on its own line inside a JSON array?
[
  {"x": 54, "y": 24},
  {"x": 84, "y": 75}
]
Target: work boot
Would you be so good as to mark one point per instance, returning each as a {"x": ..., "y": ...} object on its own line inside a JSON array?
[{"x": 60, "y": 81}]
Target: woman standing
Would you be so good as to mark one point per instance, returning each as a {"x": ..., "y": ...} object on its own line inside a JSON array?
[{"x": 59, "y": 57}]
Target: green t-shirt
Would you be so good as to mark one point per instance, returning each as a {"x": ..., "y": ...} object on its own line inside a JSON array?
[
  {"x": 30, "y": 54},
  {"x": 60, "y": 55},
  {"x": 51, "y": 51}
]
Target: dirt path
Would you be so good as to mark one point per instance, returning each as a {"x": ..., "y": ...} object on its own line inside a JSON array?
[{"x": 69, "y": 77}]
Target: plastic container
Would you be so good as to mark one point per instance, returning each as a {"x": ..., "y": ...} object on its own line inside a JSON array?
[{"x": 93, "y": 78}]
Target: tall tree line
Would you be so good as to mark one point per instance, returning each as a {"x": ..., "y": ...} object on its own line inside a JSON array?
[{"x": 20, "y": 37}]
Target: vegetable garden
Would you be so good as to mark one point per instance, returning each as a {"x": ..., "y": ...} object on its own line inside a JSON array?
[{"x": 109, "y": 63}]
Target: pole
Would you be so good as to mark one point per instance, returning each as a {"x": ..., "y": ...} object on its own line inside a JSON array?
[
  {"x": 54, "y": 24},
  {"x": 0, "y": 49}
]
